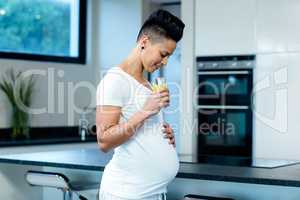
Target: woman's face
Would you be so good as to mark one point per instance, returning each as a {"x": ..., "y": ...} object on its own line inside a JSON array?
[{"x": 155, "y": 54}]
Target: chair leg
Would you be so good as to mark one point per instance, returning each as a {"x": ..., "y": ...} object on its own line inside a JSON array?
[{"x": 67, "y": 194}]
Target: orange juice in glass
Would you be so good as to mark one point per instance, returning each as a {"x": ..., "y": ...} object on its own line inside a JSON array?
[{"x": 160, "y": 84}]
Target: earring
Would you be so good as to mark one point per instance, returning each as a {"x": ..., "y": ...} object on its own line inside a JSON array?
[{"x": 142, "y": 48}]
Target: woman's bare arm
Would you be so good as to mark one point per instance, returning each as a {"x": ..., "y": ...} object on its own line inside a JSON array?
[{"x": 110, "y": 133}]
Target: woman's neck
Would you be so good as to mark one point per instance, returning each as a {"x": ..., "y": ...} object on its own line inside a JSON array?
[
  {"x": 132, "y": 69},
  {"x": 133, "y": 66}
]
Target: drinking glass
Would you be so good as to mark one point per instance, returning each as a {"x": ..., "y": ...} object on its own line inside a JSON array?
[{"x": 159, "y": 84}]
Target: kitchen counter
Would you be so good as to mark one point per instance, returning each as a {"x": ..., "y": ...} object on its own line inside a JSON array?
[
  {"x": 47, "y": 141},
  {"x": 45, "y": 136},
  {"x": 95, "y": 160}
]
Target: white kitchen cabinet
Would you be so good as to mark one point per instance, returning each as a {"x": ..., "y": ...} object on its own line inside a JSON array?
[
  {"x": 276, "y": 110},
  {"x": 277, "y": 26},
  {"x": 269, "y": 112},
  {"x": 293, "y": 30},
  {"x": 271, "y": 26},
  {"x": 225, "y": 27}
]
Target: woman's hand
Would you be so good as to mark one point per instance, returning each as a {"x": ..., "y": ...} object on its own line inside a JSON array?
[
  {"x": 169, "y": 133},
  {"x": 156, "y": 101}
]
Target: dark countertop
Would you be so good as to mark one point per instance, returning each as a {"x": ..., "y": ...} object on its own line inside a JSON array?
[
  {"x": 47, "y": 141},
  {"x": 94, "y": 159},
  {"x": 44, "y": 136}
]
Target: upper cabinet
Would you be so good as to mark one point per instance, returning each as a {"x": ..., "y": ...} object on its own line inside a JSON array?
[
  {"x": 246, "y": 27},
  {"x": 278, "y": 27},
  {"x": 225, "y": 27}
]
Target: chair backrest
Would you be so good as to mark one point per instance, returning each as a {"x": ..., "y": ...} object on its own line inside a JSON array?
[{"x": 47, "y": 179}]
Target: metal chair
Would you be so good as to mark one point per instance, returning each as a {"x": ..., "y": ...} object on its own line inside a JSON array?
[{"x": 59, "y": 181}]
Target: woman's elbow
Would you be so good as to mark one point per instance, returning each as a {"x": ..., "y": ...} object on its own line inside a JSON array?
[
  {"x": 103, "y": 147},
  {"x": 101, "y": 144}
]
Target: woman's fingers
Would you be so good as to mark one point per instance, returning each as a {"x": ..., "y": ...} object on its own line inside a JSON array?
[
  {"x": 170, "y": 137},
  {"x": 165, "y": 101},
  {"x": 164, "y": 93},
  {"x": 165, "y": 124},
  {"x": 169, "y": 134},
  {"x": 164, "y": 98},
  {"x": 164, "y": 90},
  {"x": 172, "y": 141},
  {"x": 169, "y": 130}
]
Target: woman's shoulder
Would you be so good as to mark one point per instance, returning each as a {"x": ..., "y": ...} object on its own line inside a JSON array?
[{"x": 115, "y": 76}]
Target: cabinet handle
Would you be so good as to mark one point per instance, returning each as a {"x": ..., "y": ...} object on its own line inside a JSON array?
[
  {"x": 222, "y": 72},
  {"x": 222, "y": 107}
]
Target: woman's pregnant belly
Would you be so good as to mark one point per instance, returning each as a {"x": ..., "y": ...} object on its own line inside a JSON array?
[{"x": 148, "y": 155}]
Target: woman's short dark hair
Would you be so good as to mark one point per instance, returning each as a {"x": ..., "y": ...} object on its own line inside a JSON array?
[{"x": 161, "y": 23}]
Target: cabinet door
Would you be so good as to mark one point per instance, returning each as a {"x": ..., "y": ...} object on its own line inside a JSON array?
[
  {"x": 272, "y": 136},
  {"x": 277, "y": 26},
  {"x": 272, "y": 26},
  {"x": 225, "y": 27}
]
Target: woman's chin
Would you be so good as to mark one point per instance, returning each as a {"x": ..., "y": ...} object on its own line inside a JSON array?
[{"x": 151, "y": 69}]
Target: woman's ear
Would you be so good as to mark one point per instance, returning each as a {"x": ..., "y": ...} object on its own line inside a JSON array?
[{"x": 144, "y": 42}]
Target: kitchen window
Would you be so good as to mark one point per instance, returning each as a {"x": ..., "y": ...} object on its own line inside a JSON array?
[{"x": 43, "y": 30}]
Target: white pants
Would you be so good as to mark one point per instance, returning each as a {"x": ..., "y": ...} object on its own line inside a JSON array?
[{"x": 107, "y": 196}]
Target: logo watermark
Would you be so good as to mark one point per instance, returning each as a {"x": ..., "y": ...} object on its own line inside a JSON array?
[{"x": 58, "y": 90}]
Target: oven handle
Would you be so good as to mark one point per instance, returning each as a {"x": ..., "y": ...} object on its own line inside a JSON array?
[
  {"x": 221, "y": 72},
  {"x": 222, "y": 107}
]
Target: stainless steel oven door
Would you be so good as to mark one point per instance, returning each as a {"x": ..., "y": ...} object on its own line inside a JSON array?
[
  {"x": 224, "y": 130},
  {"x": 224, "y": 87}
]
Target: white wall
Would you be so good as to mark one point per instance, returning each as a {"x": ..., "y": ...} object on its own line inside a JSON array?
[
  {"x": 120, "y": 22},
  {"x": 188, "y": 117}
]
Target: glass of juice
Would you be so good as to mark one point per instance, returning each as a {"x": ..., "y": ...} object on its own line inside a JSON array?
[{"x": 158, "y": 85}]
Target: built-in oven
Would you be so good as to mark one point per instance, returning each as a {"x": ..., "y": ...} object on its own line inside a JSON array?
[
  {"x": 224, "y": 86},
  {"x": 224, "y": 106},
  {"x": 224, "y": 130}
]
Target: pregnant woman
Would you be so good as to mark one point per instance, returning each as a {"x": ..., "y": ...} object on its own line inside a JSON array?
[{"x": 128, "y": 121}]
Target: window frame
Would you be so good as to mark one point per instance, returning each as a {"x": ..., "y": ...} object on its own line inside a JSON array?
[{"x": 82, "y": 38}]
